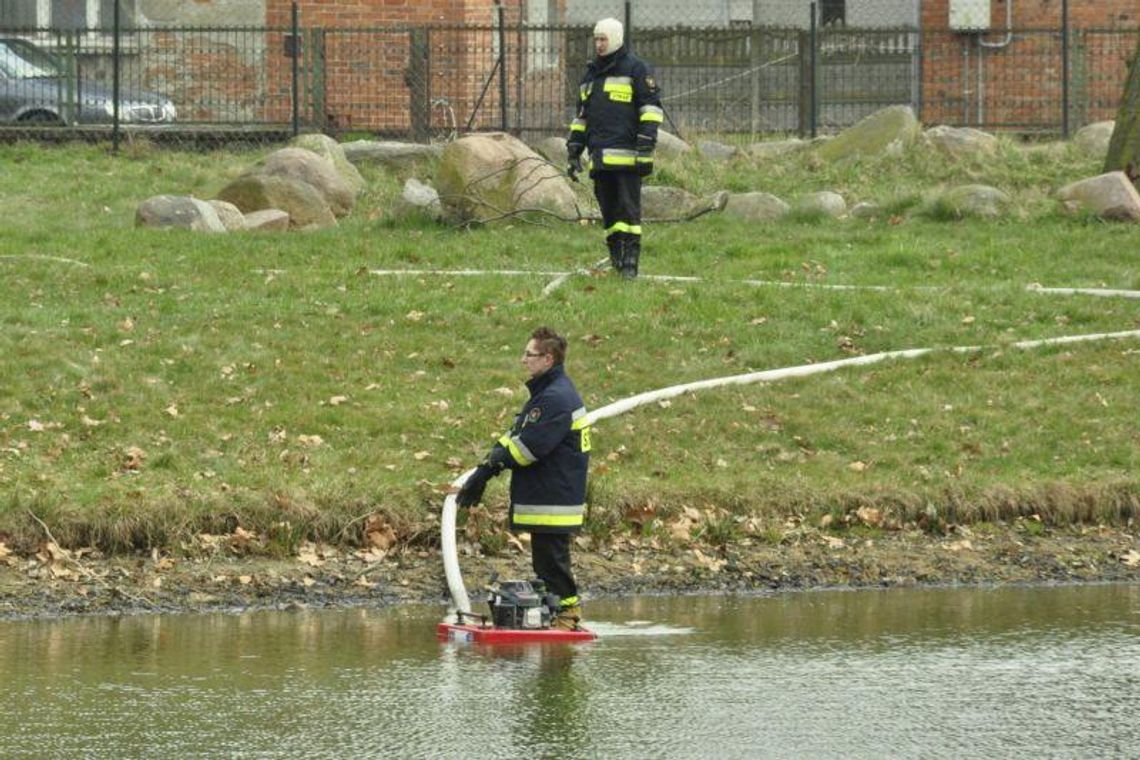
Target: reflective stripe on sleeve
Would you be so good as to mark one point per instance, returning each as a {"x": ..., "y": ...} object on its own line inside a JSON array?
[
  {"x": 651, "y": 113},
  {"x": 578, "y": 125},
  {"x": 519, "y": 452}
]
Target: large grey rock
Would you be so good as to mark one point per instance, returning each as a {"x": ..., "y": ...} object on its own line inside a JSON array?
[
  {"x": 331, "y": 150},
  {"x": 664, "y": 202},
  {"x": 823, "y": 202},
  {"x": 888, "y": 132},
  {"x": 304, "y": 204},
  {"x": 485, "y": 176},
  {"x": 553, "y": 149},
  {"x": 180, "y": 211},
  {"x": 229, "y": 214},
  {"x": 755, "y": 206},
  {"x": 974, "y": 200},
  {"x": 717, "y": 151},
  {"x": 267, "y": 219},
  {"x": 865, "y": 210},
  {"x": 1109, "y": 196},
  {"x": 420, "y": 198},
  {"x": 670, "y": 146},
  {"x": 1093, "y": 139},
  {"x": 776, "y": 148},
  {"x": 394, "y": 155},
  {"x": 306, "y": 166},
  {"x": 961, "y": 142}
]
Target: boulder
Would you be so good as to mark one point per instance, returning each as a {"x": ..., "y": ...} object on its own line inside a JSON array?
[
  {"x": 229, "y": 214},
  {"x": 717, "y": 151},
  {"x": 663, "y": 202},
  {"x": 306, "y": 166},
  {"x": 553, "y": 149},
  {"x": 670, "y": 146},
  {"x": 1093, "y": 139},
  {"x": 824, "y": 202},
  {"x": 267, "y": 219},
  {"x": 256, "y": 192},
  {"x": 961, "y": 142},
  {"x": 888, "y": 132},
  {"x": 755, "y": 206},
  {"x": 974, "y": 200},
  {"x": 181, "y": 211},
  {"x": 776, "y": 148},
  {"x": 865, "y": 210},
  {"x": 1109, "y": 196},
  {"x": 331, "y": 150},
  {"x": 485, "y": 176},
  {"x": 394, "y": 155},
  {"x": 420, "y": 198}
]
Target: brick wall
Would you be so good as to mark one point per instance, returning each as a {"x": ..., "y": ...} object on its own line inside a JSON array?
[
  {"x": 983, "y": 79},
  {"x": 366, "y": 59},
  {"x": 1044, "y": 14}
]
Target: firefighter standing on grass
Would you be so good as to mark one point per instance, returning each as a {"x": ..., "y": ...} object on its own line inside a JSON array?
[
  {"x": 619, "y": 110},
  {"x": 547, "y": 452}
]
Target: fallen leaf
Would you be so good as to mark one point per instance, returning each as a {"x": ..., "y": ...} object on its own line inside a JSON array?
[
  {"x": 869, "y": 516},
  {"x": 419, "y": 456},
  {"x": 857, "y": 466},
  {"x": 310, "y": 441},
  {"x": 379, "y": 533},
  {"x": 337, "y": 400}
]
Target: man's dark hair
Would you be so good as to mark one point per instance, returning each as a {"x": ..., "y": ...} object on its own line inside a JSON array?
[{"x": 551, "y": 343}]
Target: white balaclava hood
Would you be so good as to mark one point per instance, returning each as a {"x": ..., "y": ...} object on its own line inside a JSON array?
[{"x": 611, "y": 29}]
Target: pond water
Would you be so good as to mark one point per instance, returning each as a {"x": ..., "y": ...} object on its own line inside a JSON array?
[{"x": 1003, "y": 672}]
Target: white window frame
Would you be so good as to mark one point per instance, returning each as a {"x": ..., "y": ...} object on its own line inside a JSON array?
[{"x": 91, "y": 38}]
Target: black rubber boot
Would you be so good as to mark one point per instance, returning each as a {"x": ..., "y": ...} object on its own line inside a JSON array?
[
  {"x": 631, "y": 256},
  {"x": 614, "y": 243}
]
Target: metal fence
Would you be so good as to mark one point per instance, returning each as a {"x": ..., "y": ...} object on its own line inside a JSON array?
[{"x": 262, "y": 84}]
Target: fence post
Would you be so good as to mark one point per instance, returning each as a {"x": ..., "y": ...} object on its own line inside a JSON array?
[
  {"x": 419, "y": 84},
  {"x": 502, "y": 67},
  {"x": 814, "y": 78},
  {"x": 295, "y": 84},
  {"x": 116, "y": 72},
  {"x": 1065, "y": 69}
]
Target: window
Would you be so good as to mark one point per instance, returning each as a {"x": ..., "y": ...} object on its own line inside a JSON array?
[
  {"x": 67, "y": 15},
  {"x": 832, "y": 12}
]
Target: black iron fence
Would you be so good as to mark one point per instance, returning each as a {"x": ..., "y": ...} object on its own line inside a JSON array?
[{"x": 432, "y": 82}]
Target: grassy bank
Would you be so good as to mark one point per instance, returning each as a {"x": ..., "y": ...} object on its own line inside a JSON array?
[{"x": 161, "y": 384}]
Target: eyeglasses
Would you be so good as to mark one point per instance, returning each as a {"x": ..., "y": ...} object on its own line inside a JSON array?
[{"x": 533, "y": 354}]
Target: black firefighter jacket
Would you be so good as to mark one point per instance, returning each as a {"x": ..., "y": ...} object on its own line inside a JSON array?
[
  {"x": 547, "y": 450},
  {"x": 619, "y": 110}
]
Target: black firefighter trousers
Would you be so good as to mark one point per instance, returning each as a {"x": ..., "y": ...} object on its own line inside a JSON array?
[
  {"x": 550, "y": 558},
  {"x": 619, "y": 198}
]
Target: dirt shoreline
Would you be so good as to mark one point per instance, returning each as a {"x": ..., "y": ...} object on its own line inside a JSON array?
[{"x": 56, "y": 583}]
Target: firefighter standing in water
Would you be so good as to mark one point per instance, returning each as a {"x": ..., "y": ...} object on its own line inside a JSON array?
[
  {"x": 619, "y": 110},
  {"x": 547, "y": 452}
]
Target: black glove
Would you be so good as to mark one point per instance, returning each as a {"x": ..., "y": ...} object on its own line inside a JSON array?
[
  {"x": 574, "y": 166},
  {"x": 472, "y": 491}
]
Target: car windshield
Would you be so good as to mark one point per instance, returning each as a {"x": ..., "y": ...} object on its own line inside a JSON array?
[{"x": 20, "y": 62}]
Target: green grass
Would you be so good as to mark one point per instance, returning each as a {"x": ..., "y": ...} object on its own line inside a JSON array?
[{"x": 162, "y": 383}]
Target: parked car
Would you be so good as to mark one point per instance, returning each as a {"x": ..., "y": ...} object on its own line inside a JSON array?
[{"x": 35, "y": 88}]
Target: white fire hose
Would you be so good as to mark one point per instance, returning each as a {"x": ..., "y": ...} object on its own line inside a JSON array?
[{"x": 447, "y": 530}]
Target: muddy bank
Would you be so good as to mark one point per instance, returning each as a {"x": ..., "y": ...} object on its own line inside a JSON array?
[{"x": 54, "y": 583}]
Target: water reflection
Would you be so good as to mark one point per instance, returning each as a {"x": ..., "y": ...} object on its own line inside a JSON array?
[{"x": 843, "y": 674}]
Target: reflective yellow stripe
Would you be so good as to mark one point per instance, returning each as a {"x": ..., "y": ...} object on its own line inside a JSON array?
[
  {"x": 518, "y": 451},
  {"x": 618, "y": 160},
  {"x": 578, "y": 125},
  {"x": 570, "y": 601},
  {"x": 633, "y": 229},
  {"x": 550, "y": 521},
  {"x": 582, "y": 423},
  {"x": 652, "y": 113}
]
